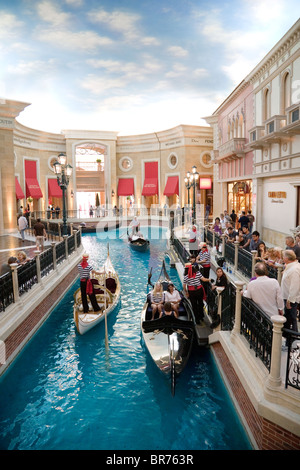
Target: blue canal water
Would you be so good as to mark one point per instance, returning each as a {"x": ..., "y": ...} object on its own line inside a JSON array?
[{"x": 65, "y": 391}]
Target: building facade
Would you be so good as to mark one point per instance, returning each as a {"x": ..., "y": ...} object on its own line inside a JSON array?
[
  {"x": 135, "y": 171},
  {"x": 260, "y": 169}
]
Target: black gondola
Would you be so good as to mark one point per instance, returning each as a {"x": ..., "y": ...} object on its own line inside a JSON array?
[
  {"x": 138, "y": 244},
  {"x": 169, "y": 340}
]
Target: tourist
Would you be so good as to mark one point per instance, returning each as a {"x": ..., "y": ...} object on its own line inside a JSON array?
[
  {"x": 194, "y": 290},
  {"x": 22, "y": 257},
  {"x": 290, "y": 285},
  {"x": 255, "y": 241},
  {"x": 251, "y": 220},
  {"x": 291, "y": 245},
  {"x": 221, "y": 280},
  {"x": 223, "y": 222},
  {"x": 40, "y": 234},
  {"x": 230, "y": 234},
  {"x": 274, "y": 256},
  {"x": 247, "y": 238},
  {"x": 243, "y": 220},
  {"x": 217, "y": 228},
  {"x": 233, "y": 217},
  {"x": 265, "y": 292},
  {"x": 86, "y": 287},
  {"x": 262, "y": 252},
  {"x": 5, "y": 268},
  {"x": 22, "y": 224},
  {"x": 57, "y": 211},
  {"x": 227, "y": 217},
  {"x": 172, "y": 295},
  {"x": 168, "y": 310},
  {"x": 157, "y": 299}
]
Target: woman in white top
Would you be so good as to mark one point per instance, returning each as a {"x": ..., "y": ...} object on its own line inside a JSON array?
[
  {"x": 157, "y": 299},
  {"x": 172, "y": 295}
]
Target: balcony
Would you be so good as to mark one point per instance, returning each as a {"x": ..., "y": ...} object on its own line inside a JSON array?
[
  {"x": 271, "y": 132},
  {"x": 293, "y": 122},
  {"x": 231, "y": 150}
]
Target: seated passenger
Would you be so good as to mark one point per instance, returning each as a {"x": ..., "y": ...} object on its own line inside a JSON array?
[
  {"x": 157, "y": 299},
  {"x": 172, "y": 295},
  {"x": 168, "y": 311}
]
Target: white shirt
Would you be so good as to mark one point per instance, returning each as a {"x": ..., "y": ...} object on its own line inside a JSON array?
[
  {"x": 172, "y": 297},
  {"x": 22, "y": 222},
  {"x": 266, "y": 293},
  {"x": 290, "y": 282}
]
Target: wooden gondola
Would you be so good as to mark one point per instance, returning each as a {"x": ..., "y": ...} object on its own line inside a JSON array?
[
  {"x": 137, "y": 243},
  {"x": 168, "y": 340},
  {"x": 107, "y": 289}
]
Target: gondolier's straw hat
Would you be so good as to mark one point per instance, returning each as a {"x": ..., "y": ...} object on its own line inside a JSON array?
[{"x": 85, "y": 255}]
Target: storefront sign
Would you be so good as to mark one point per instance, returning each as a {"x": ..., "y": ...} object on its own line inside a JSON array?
[{"x": 277, "y": 196}]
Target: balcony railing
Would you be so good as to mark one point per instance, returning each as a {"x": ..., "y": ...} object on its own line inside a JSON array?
[{"x": 233, "y": 149}]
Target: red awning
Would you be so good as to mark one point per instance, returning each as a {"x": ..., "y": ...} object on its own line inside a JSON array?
[
  {"x": 19, "y": 192},
  {"x": 32, "y": 185},
  {"x": 125, "y": 187},
  {"x": 150, "y": 187},
  {"x": 53, "y": 189},
  {"x": 151, "y": 179},
  {"x": 33, "y": 189},
  {"x": 172, "y": 186}
]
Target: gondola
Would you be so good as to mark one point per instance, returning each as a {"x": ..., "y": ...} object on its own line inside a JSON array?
[
  {"x": 137, "y": 243},
  {"x": 168, "y": 340},
  {"x": 107, "y": 289}
]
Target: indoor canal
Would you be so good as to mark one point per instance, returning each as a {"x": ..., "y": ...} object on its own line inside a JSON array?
[{"x": 67, "y": 391}]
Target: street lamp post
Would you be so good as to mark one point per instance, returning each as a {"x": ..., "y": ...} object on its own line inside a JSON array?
[
  {"x": 188, "y": 185},
  {"x": 63, "y": 172},
  {"x": 195, "y": 176}
]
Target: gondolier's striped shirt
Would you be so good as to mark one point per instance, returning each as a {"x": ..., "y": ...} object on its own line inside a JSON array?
[
  {"x": 205, "y": 256},
  {"x": 193, "y": 281},
  {"x": 84, "y": 273}
]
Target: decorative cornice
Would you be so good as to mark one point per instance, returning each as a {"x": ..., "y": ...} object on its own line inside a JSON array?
[{"x": 276, "y": 53}]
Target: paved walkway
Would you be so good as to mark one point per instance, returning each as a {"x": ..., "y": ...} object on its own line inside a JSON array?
[{"x": 11, "y": 244}]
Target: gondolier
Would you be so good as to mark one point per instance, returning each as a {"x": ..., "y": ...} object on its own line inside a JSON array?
[
  {"x": 86, "y": 286},
  {"x": 194, "y": 290},
  {"x": 203, "y": 259}
]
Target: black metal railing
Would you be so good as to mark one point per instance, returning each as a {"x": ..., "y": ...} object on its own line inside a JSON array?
[
  {"x": 257, "y": 328},
  {"x": 292, "y": 377},
  {"x": 27, "y": 274},
  {"x": 6, "y": 291}
]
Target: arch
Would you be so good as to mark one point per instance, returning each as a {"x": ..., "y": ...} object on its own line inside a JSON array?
[
  {"x": 266, "y": 104},
  {"x": 285, "y": 91}
]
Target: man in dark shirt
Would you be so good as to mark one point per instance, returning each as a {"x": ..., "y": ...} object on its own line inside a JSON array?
[
  {"x": 291, "y": 245},
  {"x": 40, "y": 234},
  {"x": 247, "y": 238},
  {"x": 243, "y": 220}
]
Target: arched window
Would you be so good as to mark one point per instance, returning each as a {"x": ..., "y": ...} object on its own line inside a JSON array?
[
  {"x": 285, "y": 92},
  {"x": 266, "y": 104}
]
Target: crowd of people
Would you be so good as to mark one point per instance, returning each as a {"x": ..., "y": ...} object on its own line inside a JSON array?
[{"x": 266, "y": 292}]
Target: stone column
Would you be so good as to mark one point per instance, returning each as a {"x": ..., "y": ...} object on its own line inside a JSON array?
[
  {"x": 238, "y": 309},
  {"x": 274, "y": 379},
  {"x": 254, "y": 255},
  {"x": 236, "y": 254},
  {"x": 9, "y": 110},
  {"x": 38, "y": 266},
  {"x": 15, "y": 280}
]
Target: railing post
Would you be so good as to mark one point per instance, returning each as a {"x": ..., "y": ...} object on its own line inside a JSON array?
[
  {"x": 279, "y": 272},
  {"x": 53, "y": 244},
  {"x": 59, "y": 231},
  {"x": 15, "y": 280},
  {"x": 238, "y": 309},
  {"x": 66, "y": 245},
  {"x": 75, "y": 238},
  {"x": 219, "y": 291},
  {"x": 223, "y": 244},
  {"x": 214, "y": 239},
  {"x": 71, "y": 228},
  {"x": 236, "y": 254},
  {"x": 274, "y": 378},
  {"x": 38, "y": 266},
  {"x": 254, "y": 256}
]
